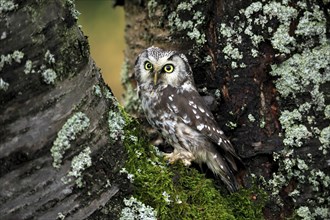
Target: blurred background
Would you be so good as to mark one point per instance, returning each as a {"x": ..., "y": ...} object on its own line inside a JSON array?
[{"x": 104, "y": 26}]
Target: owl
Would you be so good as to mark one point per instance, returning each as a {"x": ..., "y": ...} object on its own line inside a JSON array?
[{"x": 174, "y": 107}]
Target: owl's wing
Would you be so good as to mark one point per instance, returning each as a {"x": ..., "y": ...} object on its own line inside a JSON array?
[{"x": 192, "y": 110}]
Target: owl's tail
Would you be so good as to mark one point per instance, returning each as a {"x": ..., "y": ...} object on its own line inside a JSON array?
[{"x": 223, "y": 166}]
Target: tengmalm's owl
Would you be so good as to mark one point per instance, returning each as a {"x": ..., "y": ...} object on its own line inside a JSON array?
[{"x": 174, "y": 107}]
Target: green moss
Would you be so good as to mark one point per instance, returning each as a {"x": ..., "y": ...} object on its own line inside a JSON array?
[
  {"x": 75, "y": 125},
  {"x": 179, "y": 192}
]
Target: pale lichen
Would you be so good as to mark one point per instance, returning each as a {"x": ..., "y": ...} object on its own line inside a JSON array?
[
  {"x": 136, "y": 210},
  {"x": 3, "y": 85},
  {"x": 80, "y": 163},
  {"x": 7, "y": 6},
  {"x": 49, "y": 57},
  {"x": 325, "y": 140},
  {"x": 251, "y": 118},
  {"x": 74, "y": 12},
  {"x": 192, "y": 26},
  {"x": 16, "y": 56},
  {"x": 116, "y": 124},
  {"x": 28, "y": 67},
  {"x": 73, "y": 127},
  {"x": 49, "y": 76},
  {"x": 97, "y": 90},
  {"x": 303, "y": 71}
]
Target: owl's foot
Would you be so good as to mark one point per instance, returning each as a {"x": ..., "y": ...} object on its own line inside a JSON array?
[{"x": 185, "y": 157}]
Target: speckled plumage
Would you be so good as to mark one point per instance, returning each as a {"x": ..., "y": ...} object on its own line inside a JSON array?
[{"x": 173, "y": 106}]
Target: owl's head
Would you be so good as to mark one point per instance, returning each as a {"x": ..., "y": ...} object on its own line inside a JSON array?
[{"x": 155, "y": 67}]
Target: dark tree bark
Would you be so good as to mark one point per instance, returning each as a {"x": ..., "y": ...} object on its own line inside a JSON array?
[
  {"x": 56, "y": 154},
  {"x": 265, "y": 66}
]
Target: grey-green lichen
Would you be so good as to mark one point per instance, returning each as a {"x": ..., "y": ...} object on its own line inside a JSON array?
[
  {"x": 191, "y": 26},
  {"x": 116, "y": 125},
  {"x": 97, "y": 90},
  {"x": 325, "y": 140},
  {"x": 251, "y": 118},
  {"x": 136, "y": 210},
  {"x": 16, "y": 56},
  {"x": 327, "y": 112},
  {"x": 60, "y": 216},
  {"x": 74, "y": 12},
  {"x": 49, "y": 57},
  {"x": 72, "y": 128},
  {"x": 304, "y": 73},
  {"x": 253, "y": 22},
  {"x": 3, "y": 35},
  {"x": 28, "y": 67},
  {"x": 49, "y": 76},
  {"x": 3, "y": 85},
  {"x": 80, "y": 163},
  {"x": 7, "y": 5}
]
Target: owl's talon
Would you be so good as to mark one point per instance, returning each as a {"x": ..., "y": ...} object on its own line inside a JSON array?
[{"x": 185, "y": 158}]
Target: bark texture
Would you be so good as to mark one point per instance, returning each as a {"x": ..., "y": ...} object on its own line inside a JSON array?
[{"x": 53, "y": 100}]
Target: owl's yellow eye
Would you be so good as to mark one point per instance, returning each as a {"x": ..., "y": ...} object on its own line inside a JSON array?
[
  {"x": 168, "y": 68},
  {"x": 148, "y": 66}
]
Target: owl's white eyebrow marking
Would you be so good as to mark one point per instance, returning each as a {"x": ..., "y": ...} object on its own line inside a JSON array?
[{"x": 200, "y": 127}]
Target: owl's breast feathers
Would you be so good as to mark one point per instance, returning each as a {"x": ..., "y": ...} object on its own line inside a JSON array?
[{"x": 185, "y": 105}]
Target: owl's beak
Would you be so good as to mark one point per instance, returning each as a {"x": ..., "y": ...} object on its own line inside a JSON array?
[
  {"x": 155, "y": 78},
  {"x": 156, "y": 75}
]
